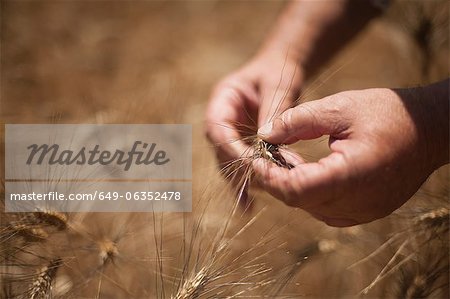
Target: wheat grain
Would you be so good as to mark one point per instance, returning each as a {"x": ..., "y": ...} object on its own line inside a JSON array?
[
  {"x": 42, "y": 286},
  {"x": 52, "y": 218}
]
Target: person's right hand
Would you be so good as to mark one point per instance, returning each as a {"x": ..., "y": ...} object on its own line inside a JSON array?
[
  {"x": 250, "y": 97},
  {"x": 384, "y": 144}
]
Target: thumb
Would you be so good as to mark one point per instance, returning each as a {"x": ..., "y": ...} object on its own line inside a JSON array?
[{"x": 307, "y": 121}]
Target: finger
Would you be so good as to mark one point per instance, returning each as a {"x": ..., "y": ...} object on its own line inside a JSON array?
[
  {"x": 279, "y": 94},
  {"x": 308, "y": 121},
  {"x": 228, "y": 106},
  {"x": 308, "y": 185},
  {"x": 291, "y": 157}
]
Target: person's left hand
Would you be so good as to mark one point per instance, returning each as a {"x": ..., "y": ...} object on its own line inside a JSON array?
[{"x": 248, "y": 98}]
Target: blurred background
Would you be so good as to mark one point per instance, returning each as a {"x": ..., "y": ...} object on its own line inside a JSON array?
[{"x": 156, "y": 62}]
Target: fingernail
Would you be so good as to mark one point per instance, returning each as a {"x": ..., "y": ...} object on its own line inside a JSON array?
[{"x": 266, "y": 129}]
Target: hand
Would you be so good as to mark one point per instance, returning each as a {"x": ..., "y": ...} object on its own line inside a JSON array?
[
  {"x": 270, "y": 83},
  {"x": 383, "y": 144},
  {"x": 250, "y": 97}
]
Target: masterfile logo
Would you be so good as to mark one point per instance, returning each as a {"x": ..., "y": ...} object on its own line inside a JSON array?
[
  {"x": 100, "y": 168},
  {"x": 84, "y": 156}
]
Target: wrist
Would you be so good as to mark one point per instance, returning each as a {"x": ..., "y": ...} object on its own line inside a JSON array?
[
  {"x": 438, "y": 96},
  {"x": 433, "y": 121}
]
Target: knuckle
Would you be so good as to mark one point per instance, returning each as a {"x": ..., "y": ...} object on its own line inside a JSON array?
[
  {"x": 312, "y": 113},
  {"x": 226, "y": 81},
  {"x": 224, "y": 84},
  {"x": 230, "y": 90},
  {"x": 338, "y": 110},
  {"x": 284, "y": 121},
  {"x": 230, "y": 82},
  {"x": 339, "y": 103}
]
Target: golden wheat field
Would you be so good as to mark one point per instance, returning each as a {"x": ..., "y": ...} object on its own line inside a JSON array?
[{"x": 155, "y": 62}]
